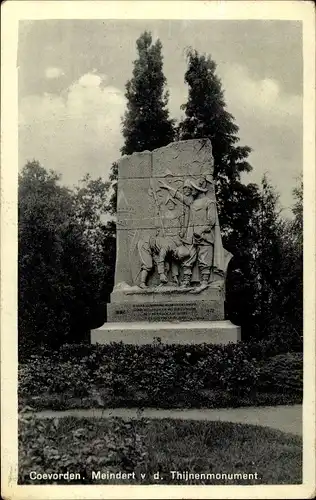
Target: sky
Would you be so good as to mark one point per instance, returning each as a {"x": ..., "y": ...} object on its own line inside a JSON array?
[{"x": 72, "y": 76}]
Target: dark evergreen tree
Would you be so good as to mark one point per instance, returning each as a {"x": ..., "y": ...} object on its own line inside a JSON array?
[
  {"x": 146, "y": 124},
  {"x": 206, "y": 116}
]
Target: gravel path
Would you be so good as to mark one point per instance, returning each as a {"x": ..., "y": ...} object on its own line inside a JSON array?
[{"x": 284, "y": 418}]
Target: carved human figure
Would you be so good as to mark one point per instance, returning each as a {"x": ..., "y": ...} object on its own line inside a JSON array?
[
  {"x": 170, "y": 220},
  {"x": 157, "y": 250},
  {"x": 199, "y": 233},
  {"x": 165, "y": 249}
]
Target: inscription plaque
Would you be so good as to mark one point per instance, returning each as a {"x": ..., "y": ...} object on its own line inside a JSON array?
[{"x": 177, "y": 311}]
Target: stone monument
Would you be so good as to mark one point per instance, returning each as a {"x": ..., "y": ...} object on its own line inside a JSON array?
[{"x": 170, "y": 261}]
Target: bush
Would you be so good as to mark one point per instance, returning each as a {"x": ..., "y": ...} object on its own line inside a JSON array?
[
  {"x": 43, "y": 375},
  {"x": 50, "y": 445},
  {"x": 282, "y": 373},
  {"x": 230, "y": 369},
  {"x": 161, "y": 368},
  {"x": 154, "y": 375}
]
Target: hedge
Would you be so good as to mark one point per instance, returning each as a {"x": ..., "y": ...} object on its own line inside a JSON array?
[
  {"x": 282, "y": 373},
  {"x": 157, "y": 375}
]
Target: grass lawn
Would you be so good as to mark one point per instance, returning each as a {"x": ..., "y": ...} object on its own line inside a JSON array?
[{"x": 149, "y": 446}]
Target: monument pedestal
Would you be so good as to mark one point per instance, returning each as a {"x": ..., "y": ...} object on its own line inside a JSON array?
[
  {"x": 166, "y": 304},
  {"x": 173, "y": 315},
  {"x": 176, "y": 332},
  {"x": 170, "y": 261}
]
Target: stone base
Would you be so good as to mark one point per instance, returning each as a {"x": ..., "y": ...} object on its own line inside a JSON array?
[
  {"x": 167, "y": 304},
  {"x": 188, "y": 332}
]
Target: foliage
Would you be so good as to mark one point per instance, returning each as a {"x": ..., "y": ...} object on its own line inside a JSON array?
[
  {"x": 298, "y": 211},
  {"x": 113, "y": 199},
  {"x": 290, "y": 294},
  {"x": 61, "y": 246},
  {"x": 206, "y": 116},
  {"x": 50, "y": 447},
  {"x": 146, "y": 124},
  {"x": 67, "y": 254},
  {"x": 264, "y": 285},
  {"x": 150, "y": 375},
  {"x": 280, "y": 255},
  {"x": 148, "y": 446},
  {"x": 283, "y": 373},
  {"x": 240, "y": 206},
  {"x": 90, "y": 199},
  {"x": 264, "y": 281},
  {"x": 63, "y": 377},
  {"x": 264, "y": 256}
]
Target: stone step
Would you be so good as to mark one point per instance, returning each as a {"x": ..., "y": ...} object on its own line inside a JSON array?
[{"x": 176, "y": 332}]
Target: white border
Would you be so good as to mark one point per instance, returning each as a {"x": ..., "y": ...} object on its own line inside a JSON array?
[{"x": 12, "y": 12}]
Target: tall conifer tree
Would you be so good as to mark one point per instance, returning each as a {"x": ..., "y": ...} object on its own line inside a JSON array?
[
  {"x": 146, "y": 123},
  {"x": 206, "y": 116}
]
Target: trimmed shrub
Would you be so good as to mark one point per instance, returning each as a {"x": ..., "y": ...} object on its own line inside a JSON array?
[
  {"x": 282, "y": 373},
  {"x": 155, "y": 375},
  {"x": 43, "y": 375}
]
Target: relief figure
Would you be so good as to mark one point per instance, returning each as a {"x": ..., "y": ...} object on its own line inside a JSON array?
[
  {"x": 165, "y": 249},
  {"x": 198, "y": 233}
]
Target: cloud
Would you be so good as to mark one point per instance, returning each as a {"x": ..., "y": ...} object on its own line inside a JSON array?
[
  {"x": 53, "y": 72},
  {"x": 270, "y": 122},
  {"x": 75, "y": 133},
  {"x": 263, "y": 97},
  {"x": 80, "y": 131}
]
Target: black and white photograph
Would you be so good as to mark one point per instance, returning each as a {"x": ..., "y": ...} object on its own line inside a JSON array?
[{"x": 160, "y": 222}]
